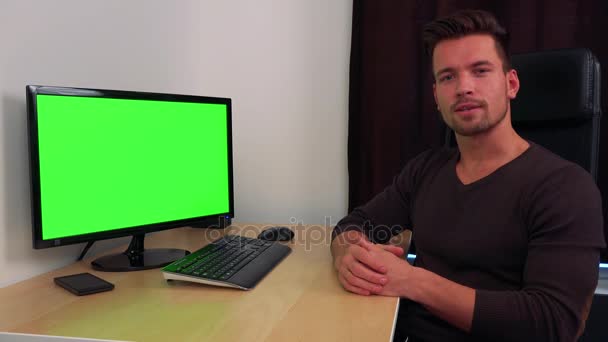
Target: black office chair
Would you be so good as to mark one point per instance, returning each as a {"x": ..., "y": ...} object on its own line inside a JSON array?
[
  {"x": 558, "y": 107},
  {"x": 558, "y": 104}
]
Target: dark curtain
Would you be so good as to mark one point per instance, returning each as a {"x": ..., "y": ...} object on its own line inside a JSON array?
[{"x": 392, "y": 114}]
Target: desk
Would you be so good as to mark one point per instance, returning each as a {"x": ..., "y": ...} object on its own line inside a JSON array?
[{"x": 300, "y": 300}]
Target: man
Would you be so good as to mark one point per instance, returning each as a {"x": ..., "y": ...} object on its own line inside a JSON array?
[{"x": 507, "y": 234}]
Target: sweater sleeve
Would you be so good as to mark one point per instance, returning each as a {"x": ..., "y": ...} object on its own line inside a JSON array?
[
  {"x": 384, "y": 216},
  {"x": 388, "y": 213},
  {"x": 564, "y": 219}
]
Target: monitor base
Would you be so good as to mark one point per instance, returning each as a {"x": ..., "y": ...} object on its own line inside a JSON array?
[{"x": 136, "y": 258}]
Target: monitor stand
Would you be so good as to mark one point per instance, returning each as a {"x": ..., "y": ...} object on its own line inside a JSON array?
[{"x": 137, "y": 258}]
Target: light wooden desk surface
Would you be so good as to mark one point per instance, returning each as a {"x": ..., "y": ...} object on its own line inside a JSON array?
[{"x": 300, "y": 300}]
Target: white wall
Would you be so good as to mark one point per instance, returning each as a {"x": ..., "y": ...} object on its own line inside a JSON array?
[{"x": 283, "y": 62}]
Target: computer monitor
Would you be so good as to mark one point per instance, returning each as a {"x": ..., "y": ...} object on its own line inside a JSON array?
[{"x": 109, "y": 163}]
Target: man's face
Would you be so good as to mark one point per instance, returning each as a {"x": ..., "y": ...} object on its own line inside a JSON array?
[{"x": 471, "y": 89}]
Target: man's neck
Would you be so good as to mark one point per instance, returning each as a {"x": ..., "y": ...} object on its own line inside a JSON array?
[{"x": 482, "y": 154}]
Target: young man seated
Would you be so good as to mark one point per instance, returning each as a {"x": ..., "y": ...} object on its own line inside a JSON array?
[{"x": 508, "y": 234}]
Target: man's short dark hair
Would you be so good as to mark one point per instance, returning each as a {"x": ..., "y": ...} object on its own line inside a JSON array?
[{"x": 464, "y": 23}]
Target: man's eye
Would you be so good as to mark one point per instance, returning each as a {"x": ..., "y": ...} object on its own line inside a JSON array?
[
  {"x": 446, "y": 78},
  {"x": 481, "y": 71}
]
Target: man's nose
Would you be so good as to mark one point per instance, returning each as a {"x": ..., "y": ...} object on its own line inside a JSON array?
[{"x": 464, "y": 85}]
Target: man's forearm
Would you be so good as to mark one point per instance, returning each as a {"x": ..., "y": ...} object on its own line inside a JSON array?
[{"x": 446, "y": 299}]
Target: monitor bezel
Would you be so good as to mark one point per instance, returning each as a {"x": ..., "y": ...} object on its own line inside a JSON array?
[{"x": 32, "y": 115}]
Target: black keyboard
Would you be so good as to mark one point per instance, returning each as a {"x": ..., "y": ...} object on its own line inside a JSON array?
[{"x": 232, "y": 261}]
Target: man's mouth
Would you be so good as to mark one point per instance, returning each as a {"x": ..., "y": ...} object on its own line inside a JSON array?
[{"x": 465, "y": 107}]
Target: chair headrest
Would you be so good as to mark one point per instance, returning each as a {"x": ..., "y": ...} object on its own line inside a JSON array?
[{"x": 556, "y": 85}]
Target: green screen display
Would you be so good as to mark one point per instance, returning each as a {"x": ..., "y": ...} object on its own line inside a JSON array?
[{"x": 108, "y": 163}]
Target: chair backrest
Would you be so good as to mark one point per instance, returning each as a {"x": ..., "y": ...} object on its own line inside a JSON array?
[{"x": 558, "y": 104}]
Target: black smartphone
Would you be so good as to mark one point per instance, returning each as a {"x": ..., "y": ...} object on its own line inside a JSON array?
[{"x": 83, "y": 284}]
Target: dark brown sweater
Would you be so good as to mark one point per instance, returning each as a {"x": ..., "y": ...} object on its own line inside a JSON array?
[{"x": 527, "y": 238}]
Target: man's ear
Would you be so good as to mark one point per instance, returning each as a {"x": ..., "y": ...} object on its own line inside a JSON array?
[
  {"x": 435, "y": 94},
  {"x": 512, "y": 84}
]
